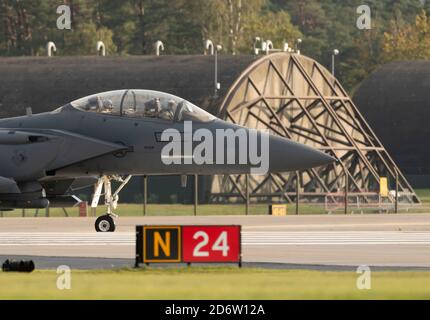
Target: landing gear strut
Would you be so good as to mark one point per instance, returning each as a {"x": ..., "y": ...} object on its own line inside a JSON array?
[{"x": 106, "y": 222}]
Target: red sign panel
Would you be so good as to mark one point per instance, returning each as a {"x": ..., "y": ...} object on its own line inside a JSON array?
[{"x": 211, "y": 244}]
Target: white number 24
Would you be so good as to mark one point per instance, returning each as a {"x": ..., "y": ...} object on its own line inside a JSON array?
[{"x": 219, "y": 245}]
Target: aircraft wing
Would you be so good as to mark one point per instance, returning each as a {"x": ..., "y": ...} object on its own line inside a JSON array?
[{"x": 28, "y": 154}]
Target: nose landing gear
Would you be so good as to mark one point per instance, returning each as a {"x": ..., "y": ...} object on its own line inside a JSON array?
[{"x": 106, "y": 222}]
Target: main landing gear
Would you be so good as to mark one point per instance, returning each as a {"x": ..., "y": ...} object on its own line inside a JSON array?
[{"x": 106, "y": 222}]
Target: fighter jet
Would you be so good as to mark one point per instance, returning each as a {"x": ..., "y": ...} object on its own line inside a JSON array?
[{"x": 115, "y": 135}]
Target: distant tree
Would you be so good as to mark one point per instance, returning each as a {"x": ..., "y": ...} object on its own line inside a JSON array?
[
  {"x": 235, "y": 23},
  {"x": 399, "y": 28},
  {"x": 311, "y": 19},
  {"x": 209, "y": 17},
  {"x": 274, "y": 26},
  {"x": 126, "y": 21},
  {"x": 408, "y": 41},
  {"x": 238, "y": 13},
  {"x": 16, "y": 26},
  {"x": 82, "y": 40}
]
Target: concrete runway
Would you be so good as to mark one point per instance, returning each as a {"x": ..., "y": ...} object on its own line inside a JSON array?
[{"x": 333, "y": 241}]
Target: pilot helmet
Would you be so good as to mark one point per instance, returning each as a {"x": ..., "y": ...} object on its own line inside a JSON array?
[{"x": 107, "y": 104}]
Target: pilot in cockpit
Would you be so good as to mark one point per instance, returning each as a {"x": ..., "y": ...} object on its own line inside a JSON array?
[
  {"x": 168, "y": 112},
  {"x": 107, "y": 106},
  {"x": 152, "y": 108},
  {"x": 99, "y": 105}
]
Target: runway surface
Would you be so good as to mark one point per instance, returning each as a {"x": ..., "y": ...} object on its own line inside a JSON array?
[{"x": 342, "y": 241}]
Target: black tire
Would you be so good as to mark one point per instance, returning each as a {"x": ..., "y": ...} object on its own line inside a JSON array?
[{"x": 105, "y": 224}]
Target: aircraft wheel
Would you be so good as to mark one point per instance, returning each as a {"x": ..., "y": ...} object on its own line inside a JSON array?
[{"x": 105, "y": 224}]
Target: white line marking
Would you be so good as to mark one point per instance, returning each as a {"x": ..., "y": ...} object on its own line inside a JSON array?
[{"x": 249, "y": 238}]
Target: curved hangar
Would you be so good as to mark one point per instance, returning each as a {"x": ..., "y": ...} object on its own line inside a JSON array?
[
  {"x": 288, "y": 94},
  {"x": 395, "y": 101}
]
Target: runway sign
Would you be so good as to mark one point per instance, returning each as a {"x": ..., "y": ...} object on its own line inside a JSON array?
[
  {"x": 188, "y": 244},
  {"x": 211, "y": 244},
  {"x": 159, "y": 244}
]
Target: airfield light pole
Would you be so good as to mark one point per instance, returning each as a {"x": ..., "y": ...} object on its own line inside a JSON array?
[
  {"x": 297, "y": 192},
  {"x": 217, "y": 85},
  {"x": 333, "y": 57},
  {"x": 247, "y": 195},
  {"x": 346, "y": 190},
  {"x": 145, "y": 193},
  {"x": 396, "y": 209}
]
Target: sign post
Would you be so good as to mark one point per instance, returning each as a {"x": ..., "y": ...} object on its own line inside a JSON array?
[{"x": 188, "y": 244}]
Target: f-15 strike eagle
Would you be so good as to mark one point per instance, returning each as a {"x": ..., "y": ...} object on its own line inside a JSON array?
[{"x": 115, "y": 135}]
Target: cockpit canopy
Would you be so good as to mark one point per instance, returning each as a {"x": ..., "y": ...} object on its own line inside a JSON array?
[{"x": 143, "y": 104}]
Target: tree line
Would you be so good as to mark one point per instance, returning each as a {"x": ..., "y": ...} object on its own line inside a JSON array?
[{"x": 400, "y": 29}]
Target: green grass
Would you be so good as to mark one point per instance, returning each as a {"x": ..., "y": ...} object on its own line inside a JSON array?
[
  {"x": 133, "y": 210},
  {"x": 214, "y": 283},
  {"x": 424, "y": 195},
  {"x": 212, "y": 209}
]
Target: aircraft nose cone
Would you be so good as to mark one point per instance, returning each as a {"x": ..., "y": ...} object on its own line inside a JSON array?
[{"x": 287, "y": 155}]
